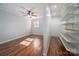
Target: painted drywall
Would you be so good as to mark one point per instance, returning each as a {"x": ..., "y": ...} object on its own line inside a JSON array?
[
  {"x": 1, "y": 35},
  {"x": 13, "y": 26},
  {"x": 46, "y": 29},
  {"x": 40, "y": 14},
  {"x": 37, "y": 31},
  {"x": 55, "y": 26}
]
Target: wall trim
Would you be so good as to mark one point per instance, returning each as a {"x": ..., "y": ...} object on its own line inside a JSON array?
[{"x": 19, "y": 36}]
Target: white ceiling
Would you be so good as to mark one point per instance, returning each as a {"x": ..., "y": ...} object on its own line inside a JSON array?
[
  {"x": 57, "y": 9},
  {"x": 15, "y": 8}
]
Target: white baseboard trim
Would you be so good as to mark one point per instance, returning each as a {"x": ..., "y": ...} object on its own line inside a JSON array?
[{"x": 13, "y": 38}]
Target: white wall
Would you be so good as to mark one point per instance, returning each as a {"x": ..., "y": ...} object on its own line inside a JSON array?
[
  {"x": 13, "y": 26},
  {"x": 37, "y": 31},
  {"x": 55, "y": 26},
  {"x": 46, "y": 29},
  {"x": 1, "y": 29}
]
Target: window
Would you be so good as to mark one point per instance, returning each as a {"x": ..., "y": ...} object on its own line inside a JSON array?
[{"x": 36, "y": 24}]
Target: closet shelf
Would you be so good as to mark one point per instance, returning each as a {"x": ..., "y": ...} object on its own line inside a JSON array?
[
  {"x": 74, "y": 30},
  {"x": 70, "y": 33},
  {"x": 67, "y": 31},
  {"x": 70, "y": 16},
  {"x": 68, "y": 38},
  {"x": 72, "y": 8},
  {"x": 69, "y": 22},
  {"x": 66, "y": 45},
  {"x": 74, "y": 48}
]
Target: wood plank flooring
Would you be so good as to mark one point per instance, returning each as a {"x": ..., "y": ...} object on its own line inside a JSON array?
[
  {"x": 33, "y": 46},
  {"x": 56, "y": 48},
  {"x": 23, "y": 46}
]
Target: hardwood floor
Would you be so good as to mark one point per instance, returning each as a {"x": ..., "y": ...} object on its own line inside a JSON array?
[
  {"x": 56, "y": 48},
  {"x": 33, "y": 46},
  {"x": 25, "y": 46}
]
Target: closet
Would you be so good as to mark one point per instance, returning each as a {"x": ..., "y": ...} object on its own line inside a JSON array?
[{"x": 70, "y": 24}]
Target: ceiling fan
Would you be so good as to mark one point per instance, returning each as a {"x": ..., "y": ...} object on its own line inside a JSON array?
[{"x": 27, "y": 12}]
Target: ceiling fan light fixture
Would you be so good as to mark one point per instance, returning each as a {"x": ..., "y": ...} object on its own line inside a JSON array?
[
  {"x": 29, "y": 16},
  {"x": 29, "y": 13}
]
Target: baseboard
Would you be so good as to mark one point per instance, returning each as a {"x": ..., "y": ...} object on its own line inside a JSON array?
[
  {"x": 13, "y": 38},
  {"x": 38, "y": 34}
]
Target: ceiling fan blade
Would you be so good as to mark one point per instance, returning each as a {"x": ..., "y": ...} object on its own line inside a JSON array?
[
  {"x": 23, "y": 12},
  {"x": 34, "y": 15},
  {"x": 24, "y": 15},
  {"x": 31, "y": 9},
  {"x": 24, "y": 8}
]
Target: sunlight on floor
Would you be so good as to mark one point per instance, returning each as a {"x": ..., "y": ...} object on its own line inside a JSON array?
[{"x": 27, "y": 41}]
